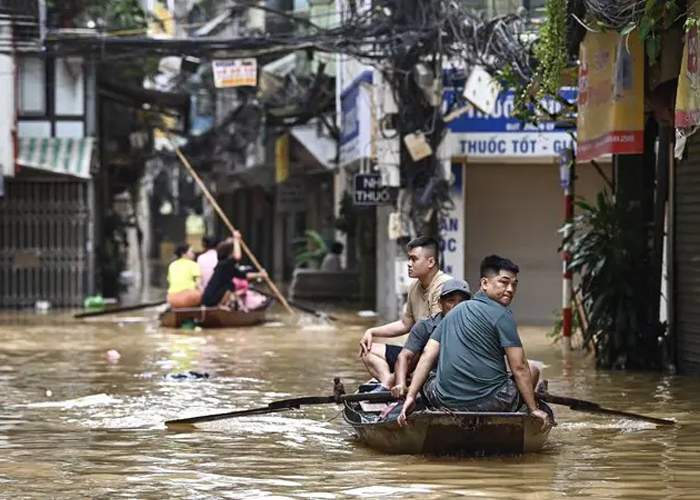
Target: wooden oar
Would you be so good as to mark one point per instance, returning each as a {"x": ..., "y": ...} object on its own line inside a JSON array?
[
  {"x": 296, "y": 305},
  {"x": 221, "y": 213},
  {"x": 282, "y": 405},
  {"x": 115, "y": 310},
  {"x": 590, "y": 407}
]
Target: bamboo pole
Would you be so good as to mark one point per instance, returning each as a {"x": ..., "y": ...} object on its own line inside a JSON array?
[{"x": 226, "y": 221}]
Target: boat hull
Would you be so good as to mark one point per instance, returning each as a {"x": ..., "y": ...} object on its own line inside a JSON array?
[
  {"x": 212, "y": 317},
  {"x": 451, "y": 433}
]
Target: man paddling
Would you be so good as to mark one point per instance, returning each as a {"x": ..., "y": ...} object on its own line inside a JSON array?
[
  {"x": 423, "y": 302},
  {"x": 454, "y": 292},
  {"x": 469, "y": 345}
]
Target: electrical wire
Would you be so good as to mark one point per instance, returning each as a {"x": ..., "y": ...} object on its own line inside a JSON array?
[{"x": 395, "y": 36}]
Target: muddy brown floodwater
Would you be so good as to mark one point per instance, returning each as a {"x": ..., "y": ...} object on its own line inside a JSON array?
[{"x": 113, "y": 444}]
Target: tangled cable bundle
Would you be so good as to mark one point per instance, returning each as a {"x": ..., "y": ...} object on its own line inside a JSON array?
[
  {"x": 393, "y": 35},
  {"x": 616, "y": 14}
]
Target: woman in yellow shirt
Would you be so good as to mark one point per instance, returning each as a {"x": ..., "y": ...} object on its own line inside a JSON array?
[{"x": 183, "y": 279}]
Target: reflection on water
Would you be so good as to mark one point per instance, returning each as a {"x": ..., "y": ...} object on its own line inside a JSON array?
[{"x": 77, "y": 424}]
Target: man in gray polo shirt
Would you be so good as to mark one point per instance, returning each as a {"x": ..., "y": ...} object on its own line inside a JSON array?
[
  {"x": 453, "y": 292},
  {"x": 469, "y": 345}
]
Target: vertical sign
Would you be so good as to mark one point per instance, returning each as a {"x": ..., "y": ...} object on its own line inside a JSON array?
[
  {"x": 282, "y": 158},
  {"x": 688, "y": 96},
  {"x": 356, "y": 122},
  {"x": 611, "y": 95},
  {"x": 452, "y": 229}
]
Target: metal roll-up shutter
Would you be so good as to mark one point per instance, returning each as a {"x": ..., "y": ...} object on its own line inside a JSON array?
[
  {"x": 687, "y": 258},
  {"x": 44, "y": 242}
]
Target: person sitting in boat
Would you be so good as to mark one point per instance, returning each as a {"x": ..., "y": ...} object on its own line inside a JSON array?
[
  {"x": 453, "y": 292},
  {"x": 221, "y": 288},
  {"x": 469, "y": 346},
  {"x": 208, "y": 259},
  {"x": 183, "y": 279},
  {"x": 423, "y": 302}
]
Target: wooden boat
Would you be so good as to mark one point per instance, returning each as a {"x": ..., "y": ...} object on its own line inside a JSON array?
[
  {"x": 213, "y": 317},
  {"x": 433, "y": 432}
]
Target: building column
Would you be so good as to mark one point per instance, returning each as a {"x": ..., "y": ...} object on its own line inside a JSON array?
[
  {"x": 339, "y": 187},
  {"x": 388, "y": 300}
]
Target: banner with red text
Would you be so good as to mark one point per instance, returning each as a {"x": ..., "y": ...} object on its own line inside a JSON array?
[{"x": 611, "y": 95}]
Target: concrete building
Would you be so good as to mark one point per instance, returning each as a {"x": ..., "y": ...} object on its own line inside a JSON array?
[
  {"x": 506, "y": 190},
  {"x": 508, "y": 201},
  {"x": 47, "y": 130}
]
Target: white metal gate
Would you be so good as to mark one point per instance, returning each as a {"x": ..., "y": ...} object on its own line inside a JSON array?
[{"x": 44, "y": 242}]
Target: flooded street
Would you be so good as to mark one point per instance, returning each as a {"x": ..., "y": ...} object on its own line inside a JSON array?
[{"x": 114, "y": 444}]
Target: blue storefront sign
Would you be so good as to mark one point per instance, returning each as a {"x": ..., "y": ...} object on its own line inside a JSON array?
[
  {"x": 476, "y": 135},
  {"x": 355, "y": 127}
]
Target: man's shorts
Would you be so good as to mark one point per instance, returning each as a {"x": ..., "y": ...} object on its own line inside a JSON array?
[
  {"x": 506, "y": 399},
  {"x": 392, "y": 354}
]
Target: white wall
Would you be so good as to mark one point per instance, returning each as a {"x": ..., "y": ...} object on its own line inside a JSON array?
[{"x": 7, "y": 113}]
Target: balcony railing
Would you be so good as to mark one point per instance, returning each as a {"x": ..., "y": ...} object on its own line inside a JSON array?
[{"x": 20, "y": 26}]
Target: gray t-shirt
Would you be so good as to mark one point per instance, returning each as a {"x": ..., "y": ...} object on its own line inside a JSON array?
[
  {"x": 472, "y": 338},
  {"x": 421, "y": 332}
]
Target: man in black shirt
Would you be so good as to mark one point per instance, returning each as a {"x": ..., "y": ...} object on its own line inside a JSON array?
[{"x": 220, "y": 287}]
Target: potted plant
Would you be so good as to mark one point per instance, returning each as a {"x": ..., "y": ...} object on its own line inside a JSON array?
[{"x": 613, "y": 265}]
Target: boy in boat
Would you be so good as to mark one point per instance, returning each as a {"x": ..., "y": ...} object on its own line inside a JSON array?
[
  {"x": 453, "y": 292},
  {"x": 220, "y": 292},
  {"x": 469, "y": 345},
  {"x": 423, "y": 302}
]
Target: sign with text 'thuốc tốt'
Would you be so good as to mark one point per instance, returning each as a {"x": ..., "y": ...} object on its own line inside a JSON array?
[
  {"x": 501, "y": 135},
  {"x": 611, "y": 95}
]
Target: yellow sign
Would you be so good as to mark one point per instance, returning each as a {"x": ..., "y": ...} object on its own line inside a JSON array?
[
  {"x": 688, "y": 95},
  {"x": 163, "y": 23},
  {"x": 282, "y": 159},
  {"x": 611, "y": 95}
]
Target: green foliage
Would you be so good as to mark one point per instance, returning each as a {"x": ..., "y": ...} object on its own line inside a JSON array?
[
  {"x": 117, "y": 14},
  {"x": 114, "y": 14},
  {"x": 612, "y": 263},
  {"x": 522, "y": 102},
  {"x": 553, "y": 60},
  {"x": 313, "y": 252},
  {"x": 551, "y": 49},
  {"x": 691, "y": 22}
]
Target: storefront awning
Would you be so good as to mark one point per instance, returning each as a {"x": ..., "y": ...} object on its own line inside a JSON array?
[
  {"x": 57, "y": 155},
  {"x": 319, "y": 149}
]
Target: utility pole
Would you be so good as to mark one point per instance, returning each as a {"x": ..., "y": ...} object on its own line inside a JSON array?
[{"x": 567, "y": 176}]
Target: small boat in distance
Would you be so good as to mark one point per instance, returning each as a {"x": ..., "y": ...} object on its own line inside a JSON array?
[
  {"x": 214, "y": 317},
  {"x": 434, "y": 432}
]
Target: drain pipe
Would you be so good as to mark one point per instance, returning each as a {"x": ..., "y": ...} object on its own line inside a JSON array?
[{"x": 15, "y": 90}]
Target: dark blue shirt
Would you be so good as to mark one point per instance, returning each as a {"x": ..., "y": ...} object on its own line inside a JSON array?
[{"x": 421, "y": 332}]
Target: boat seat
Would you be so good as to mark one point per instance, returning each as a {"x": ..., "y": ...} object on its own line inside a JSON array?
[{"x": 373, "y": 407}]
